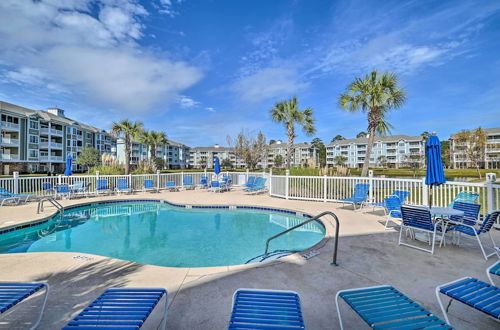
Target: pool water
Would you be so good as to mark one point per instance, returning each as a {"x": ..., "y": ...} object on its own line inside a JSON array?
[{"x": 164, "y": 235}]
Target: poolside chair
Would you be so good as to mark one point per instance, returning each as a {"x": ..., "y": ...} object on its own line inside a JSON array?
[
  {"x": 170, "y": 185},
  {"x": 12, "y": 293},
  {"x": 359, "y": 197},
  {"x": 122, "y": 186},
  {"x": 226, "y": 183},
  {"x": 266, "y": 309},
  {"x": 121, "y": 308},
  {"x": 402, "y": 195},
  {"x": 260, "y": 186},
  {"x": 215, "y": 186},
  {"x": 187, "y": 182},
  {"x": 102, "y": 186},
  {"x": 418, "y": 218},
  {"x": 475, "y": 293},
  {"x": 203, "y": 182},
  {"x": 250, "y": 182},
  {"x": 393, "y": 207},
  {"x": 149, "y": 185},
  {"x": 22, "y": 197},
  {"x": 4, "y": 200},
  {"x": 493, "y": 270},
  {"x": 466, "y": 197},
  {"x": 78, "y": 188},
  {"x": 62, "y": 191},
  {"x": 477, "y": 230},
  {"x": 384, "y": 307}
]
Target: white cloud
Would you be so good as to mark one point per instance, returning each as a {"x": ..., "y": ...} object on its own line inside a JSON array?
[
  {"x": 59, "y": 43},
  {"x": 186, "y": 102},
  {"x": 269, "y": 83},
  {"x": 210, "y": 109}
]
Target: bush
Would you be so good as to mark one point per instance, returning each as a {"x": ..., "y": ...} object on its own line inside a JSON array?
[{"x": 108, "y": 170}]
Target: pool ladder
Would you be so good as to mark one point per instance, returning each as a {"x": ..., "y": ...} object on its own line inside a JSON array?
[
  {"x": 333, "y": 215},
  {"x": 53, "y": 202}
]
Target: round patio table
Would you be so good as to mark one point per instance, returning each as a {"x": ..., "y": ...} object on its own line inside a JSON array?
[{"x": 445, "y": 211}]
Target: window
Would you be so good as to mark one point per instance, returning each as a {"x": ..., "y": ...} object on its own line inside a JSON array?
[
  {"x": 33, "y": 153},
  {"x": 33, "y": 124},
  {"x": 34, "y": 139}
]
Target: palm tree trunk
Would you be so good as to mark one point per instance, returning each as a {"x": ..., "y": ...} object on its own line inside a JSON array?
[
  {"x": 127, "y": 154},
  {"x": 369, "y": 148},
  {"x": 291, "y": 136}
]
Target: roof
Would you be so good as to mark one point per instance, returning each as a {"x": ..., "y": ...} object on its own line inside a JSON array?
[
  {"x": 271, "y": 146},
  {"x": 489, "y": 131},
  {"x": 364, "y": 140}
]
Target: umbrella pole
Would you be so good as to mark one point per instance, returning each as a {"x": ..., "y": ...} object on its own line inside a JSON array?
[{"x": 430, "y": 196}]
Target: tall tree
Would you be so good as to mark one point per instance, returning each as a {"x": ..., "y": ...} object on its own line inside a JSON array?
[
  {"x": 474, "y": 144},
  {"x": 340, "y": 160},
  {"x": 89, "y": 157},
  {"x": 129, "y": 131},
  {"x": 361, "y": 134},
  {"x": 318, "y": 144},
  {"x": 375, "y": 94},
  {"x": 425, "y": 135},
  {"x": 153, "y": 140},
  {"x": 289, "y": 114},
  {"x": 249, "y": 148},
  {"x": 278, "y": 160},
  {"x": 337, "y": 137}
]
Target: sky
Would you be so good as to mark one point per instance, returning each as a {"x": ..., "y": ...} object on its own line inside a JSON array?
[{"x": 201, "y": 70}]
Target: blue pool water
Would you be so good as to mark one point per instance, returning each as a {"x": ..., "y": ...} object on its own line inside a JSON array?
[{"x": 164, "y": 235}]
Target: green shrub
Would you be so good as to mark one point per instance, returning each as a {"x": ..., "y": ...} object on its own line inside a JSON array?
[{"x": 107, "y": 170}]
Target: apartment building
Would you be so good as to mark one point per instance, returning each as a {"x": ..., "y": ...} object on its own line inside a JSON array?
[
  {"x": 174, "y": 154},
  {"x": 39, "y": 140},
  {"x": 302, "y": 154},
  {"x": 458, "y": 154},
  {"x": 392, "y": 149}
]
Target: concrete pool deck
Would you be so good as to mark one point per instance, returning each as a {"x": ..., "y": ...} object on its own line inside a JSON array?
[{"x": 200, "y": 298}]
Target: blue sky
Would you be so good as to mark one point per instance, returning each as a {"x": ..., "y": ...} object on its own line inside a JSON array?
[{"x": 202, "y": 70}]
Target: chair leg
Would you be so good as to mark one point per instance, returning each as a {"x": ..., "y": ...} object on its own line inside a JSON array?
[
  {"x": 441, "y": 305},
  {"x": 481, "y": 246},
  {"x": 401, "y": 233},
  {"x": 338, "y": 311},
  {"x": 494, "y": 245}
]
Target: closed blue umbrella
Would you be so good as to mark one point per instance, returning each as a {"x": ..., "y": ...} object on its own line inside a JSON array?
[
  {"x": 217, "y": 166},
  {"x": 68, "y": 171},
  {"x": 434, "y": 175}
]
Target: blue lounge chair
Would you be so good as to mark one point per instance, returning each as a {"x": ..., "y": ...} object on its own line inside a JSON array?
[
  {"x": 122, "y": 186},
  {"x": 470, "y": 216},
  {"x": 102, "y": 186},
  {"x": 12, "y": 293},
  {"x": 226, "y": 183},
  {"x": 62, "y": 191},
  {"x": 473, "y": 292},
  {"x": 187, "y": 182},
  {"x": 359, "y": 197},
  {"x": 4, "y": 200},
  {"x": 260, "y": 186},
  {"x": 77, "y": 188},
  {"x": 22, "y": 197},
  {"x": 170, "y": 185},
  {"x": 120, "y": 308},
  {"x": 203, "y": 182},
  {"x": 149, "y": 185},
  {"x": 266, "y": 309},
  {"x": 215, "y": 186},
  {"x": 250, "y": 182},
  {"x": 418, "y": 218},
  {"x": 393, "y": 207},
  {"x": 477, "y": 230},
  {"x": 493, "y": 270},
  {"x": 401, "y": 194},
  {"x": 384, "y": 307},
  {"x": 466, "y": 197}
]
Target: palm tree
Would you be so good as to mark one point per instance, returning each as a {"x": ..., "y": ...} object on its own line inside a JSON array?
[
  {"x": 288, "y": 113},
  {"x": 153, "y": 140},
  {"x": 129, "y": 131},
  {"x": 375, "y": 94}
]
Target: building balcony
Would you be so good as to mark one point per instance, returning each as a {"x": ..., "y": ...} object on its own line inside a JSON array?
[
  {"x": 53, "y": 145},
  {"x": 9, "y": 126},
  {"x": 52, "y": 131},
  {"x": 10, "y": 156},
  {"x": 9, "y": 141},
  {"x": 51, "y": 158}
]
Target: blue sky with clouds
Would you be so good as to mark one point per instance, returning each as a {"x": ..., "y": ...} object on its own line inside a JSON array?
[{"x": 201, "y": 70}]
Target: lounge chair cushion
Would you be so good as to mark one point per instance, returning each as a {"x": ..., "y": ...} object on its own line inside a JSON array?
[{"x": 12, "y": 293}]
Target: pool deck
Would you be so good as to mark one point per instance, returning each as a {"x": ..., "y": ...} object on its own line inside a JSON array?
[{"x": 200, "y": 298}]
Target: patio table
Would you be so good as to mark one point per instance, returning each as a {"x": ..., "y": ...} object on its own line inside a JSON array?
[{"x": 445, "y": 211}]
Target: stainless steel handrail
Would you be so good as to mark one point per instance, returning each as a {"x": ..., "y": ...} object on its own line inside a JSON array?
[
  {"x": 53, "y": 202},
  {"x": 334, "y": 216}
]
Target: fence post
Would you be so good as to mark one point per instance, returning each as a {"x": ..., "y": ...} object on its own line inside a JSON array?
[
  {"x": 370, "y": 186},
  {"x": 246, "y": 180},
  {"x": 286, "y": 183},
  {"x": 96, "y": 179},
  {"x": 182, "y": 179},
  {"x": 490, "y": 179},
  {"x": 15, "y": 175},
  {"x": 425, "y": 193},
  {"x": 270, "y": 181},
  {"x": 59, "y": 179},
  {"x": 158, "y": 180},
  {"x": 130, "y": 181},
  {"x": 325, "y": 188}
]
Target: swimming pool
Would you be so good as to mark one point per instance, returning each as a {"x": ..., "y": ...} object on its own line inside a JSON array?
[{"x": 163, "y": 234}]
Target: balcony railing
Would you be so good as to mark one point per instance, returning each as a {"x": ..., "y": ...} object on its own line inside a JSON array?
[
  {"x": 51, "y": 158},
  {"x": 9, "y": 141},
  {"x": 6, "y": 124},
  {"x": 54, "y": 145},
  {"x": 53, "y": 131},
  {"x": 10, "y": 156}
]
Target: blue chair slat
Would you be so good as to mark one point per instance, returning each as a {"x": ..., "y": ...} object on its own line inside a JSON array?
[
  {"x": 385, "y": 308},
  {"x": 118, "y": 308},
  {"x": 465, "y": 197},
  {"x": 475, "y": 293},
  {"x": 62, "y": 189},
  {"x": 122, "y": 184},
  {"x": 417, "y": 217},
  {"x": 148, "y": 184},
  {"x": 102, "y": 184},
  {"x": 496, "y": 269},
  {"x": 188, "y": 180},
  {"x": 255, "y": 309},
  {"x": 12, "y": 293},
  {"x": 471, "y": 212}
]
